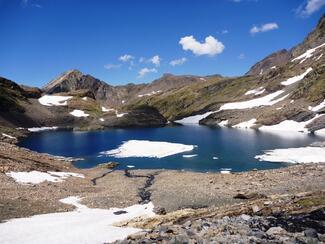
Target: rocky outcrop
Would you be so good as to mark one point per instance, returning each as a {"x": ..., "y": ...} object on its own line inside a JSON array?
[
  {"x": 314, "y": 38},
  {"x": 272, "y": 61}
]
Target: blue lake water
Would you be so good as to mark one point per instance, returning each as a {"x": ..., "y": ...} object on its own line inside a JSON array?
[{"x": 234, "y": 148}]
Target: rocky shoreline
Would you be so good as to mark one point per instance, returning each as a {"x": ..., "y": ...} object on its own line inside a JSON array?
[{"x": 182, "y": 195}]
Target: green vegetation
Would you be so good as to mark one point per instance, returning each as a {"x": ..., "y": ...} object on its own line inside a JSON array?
[
  {"x": 199, "y": 97},
  {"x": 313, "y": 89}
]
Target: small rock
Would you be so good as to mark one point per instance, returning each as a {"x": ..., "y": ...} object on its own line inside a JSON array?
[
  {"x": 310, "y": 232},
  {"x": 255, "y": 208},
  {"x": 120, "y": 212},
  {"x": 245, "y": 217},
  {"x": 276, "y": 231},
  {"x": 159, "y": 211}
]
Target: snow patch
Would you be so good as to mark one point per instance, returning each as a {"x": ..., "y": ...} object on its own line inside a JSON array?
[
  {"x": 246, "y": 124},
  {"x": 307, "y": 54},
  {"x": 38, "y": 129},
  {"x": 256, "y": 91},
  {"x": 150, "y": 149},
  {"x": 8, "y": 136},
  {"x": 318, "y": 107},
  {"x": 101, "y": 119},
  {"x": 318, "y": 58},
  {"x": 296, "y": 78},
  {"x": 223, "y": 123},
  {"x": 36, "y": 177},
  {"x": 120, "y": 115},
  {"x": 83, "y": 225},
  {"x": 85, "y": 98},
  {"x": 51, "y": 100},
  {"x": 78, "y": 113},
  {"x": 267, "y": 100},
  {"x": 288, "y": 125},
  {"x": 149, "y": 94},
  {"x": 194, "y": 119},
  {"x": 107, "y": 109},
  {"x": 294, "y": 155}
]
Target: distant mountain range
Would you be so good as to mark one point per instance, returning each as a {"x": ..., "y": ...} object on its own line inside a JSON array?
[{"x": 287, "y": 86}]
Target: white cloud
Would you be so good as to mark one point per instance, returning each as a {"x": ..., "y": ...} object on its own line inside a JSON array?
[
  {"x": 142, "y": 59},
  {"x": 112, "y": 66},
  {"x": 179, "y": 61},
  {"x": 126, "y": 58},
  {"x": 241, "y": 56},
  {"x": 155, "y": 60},
  {"x": 145, "y": 71},
  {"x": 264, "y": 28},
  {"x": 210, "y": 47},
  {"x": 309, "y": 7},
  {"x": 224, "y": 32}
]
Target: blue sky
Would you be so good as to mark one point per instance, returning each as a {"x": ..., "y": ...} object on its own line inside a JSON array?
[{"x": 125, "y": 41}]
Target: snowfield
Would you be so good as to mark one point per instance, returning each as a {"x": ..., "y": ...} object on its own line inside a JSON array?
[
  {"x": 78, "y": 113},
  {"x": 296, "y": 78},
  {"x": 294, "y": 155},
  {"x": 83, "y": 225},
  {"x": 267, "y": 100},
  {"x": 36, "y": 177},
  {"x": 150, "y": 149},
  {"x": 51, "y": 100}
]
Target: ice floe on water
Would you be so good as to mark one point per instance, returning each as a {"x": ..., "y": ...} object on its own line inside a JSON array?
[
  {"x": 296, "y": 78},
  {"x": 256, "y": 91},
  {"x": 36, "y": 177},
  {"x": 267, "y": 100},
  {"x": 194, "y": 119},
  {"x": 83, "y": 225},
  {"x": 189, "y": 155},
  {"x": 150, "y": 149},
  {"x": 54, "y": 100},
  {"x": 294, "y": 155},
  {"x": 246, "y": 124},
  {"x": 225, "y": 170},
  {"x": 79, "y": 113},
  {"x": 45, "y": 128},
  {"x": 307, "y": 54}
]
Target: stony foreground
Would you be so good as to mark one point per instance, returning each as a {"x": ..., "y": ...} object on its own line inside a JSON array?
[{"x": 201, "y": 207}]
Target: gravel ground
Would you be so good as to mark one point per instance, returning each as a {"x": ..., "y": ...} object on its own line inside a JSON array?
[{"x": 169, "y": 190}]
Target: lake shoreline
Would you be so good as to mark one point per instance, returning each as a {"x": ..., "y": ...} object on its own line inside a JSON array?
[{"x": 170, "y": 190}]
